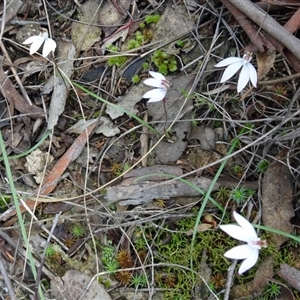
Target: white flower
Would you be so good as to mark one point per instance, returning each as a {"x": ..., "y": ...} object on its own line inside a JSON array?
[
  {"x": 36, "y": 42},
  {"x": 245, "y": 232},
  {"x": 247, "y": 73},
  {"x": 160, "y": 83}
]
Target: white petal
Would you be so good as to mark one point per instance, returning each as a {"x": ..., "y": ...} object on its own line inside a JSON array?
[
  {"x": 36, "y": 45},
  {"x": 32, "y": 39},
  {"x": 49, "y": 46},
  {"x": 231, "y": 70},
  {"x": 157, "y": 75},
  {"x": 243, "y": 78},
  {"x": 35, "y": 41},
  {"x": 253, "y": 74},
  {"x": 239, "y": 252},
  {"x": 228, "y": 61},
  {"x": 249, "y": 262},
  {"x": 153, "y": 82},
  {"x": 155, "y": 95},
  {"x": 246, "y": 225},
  {"x": 236, "y": 232}
]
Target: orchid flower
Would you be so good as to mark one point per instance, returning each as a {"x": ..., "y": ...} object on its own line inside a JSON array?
[
  {"x": 161, "y": 87},
  {"x": 36, "y": 42},
  {"x": 233, "y": 64},
  {"x": 246, "y": 233}
]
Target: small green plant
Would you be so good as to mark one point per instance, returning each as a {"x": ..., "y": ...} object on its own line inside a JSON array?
[
  {"x": 138, "y": 41},
  {"x": 249, "y": 127},
  {"x": 142, "y": 25},
  {"x": 152, "y": 19},
  {"x": 145, "y": 66},
  {"x": 181, "y": 43},
  {"x": 132, "y": 44},
  {"x": 237, "y": 169},
  {"x": 251, "y": 192},
  {"x": 106, "y": 282},
  {"x": 50, "y": 252},
  {"x": 4, "y": 201},
  {"x": 115, "y": 60},
  {"x": 112, "y": 266},
  {"x": 223, "y": 194},
  {"x": 272, "y": 290},
  {"x": 139, "y": 281},
  {"x": 109, "y": 258},
  {"x": 239, "y": 195},
  {"x": 135, "y": 79},
  {"x": 164, "y": 62},
  {"x": 77, "y": 230},
  {"x": 262, "y": 166}
]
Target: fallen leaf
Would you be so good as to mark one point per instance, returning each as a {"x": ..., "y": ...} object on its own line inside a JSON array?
[
  {"x": 66, "y": 54},
  {"x": 201, "y": 228},
  {"x": 35, "y": 163},
  {"x": 291, "y": 275},
  {"x": 106, "y": 127},
  {"x": 71, "y": 154},
  {"x": 265, "y": 62}
]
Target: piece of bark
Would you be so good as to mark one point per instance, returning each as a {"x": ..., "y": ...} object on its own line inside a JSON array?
[
  {"x": 142, "y": 193},
  {"x": 138, "y": 194},
  {"x": 277, "y": 196},
  {"x": 153, "y": 173},
  {"x": 290, "y": 275}
]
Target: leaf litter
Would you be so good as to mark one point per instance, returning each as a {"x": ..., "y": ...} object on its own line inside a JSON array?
[{"x": 146, "y": 203}]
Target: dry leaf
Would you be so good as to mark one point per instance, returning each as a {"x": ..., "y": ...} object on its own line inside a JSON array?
[
  {"x": 264, "y": 63},
  {"x": 66, "y": 54},
  {"x": 201, "y": 228}
]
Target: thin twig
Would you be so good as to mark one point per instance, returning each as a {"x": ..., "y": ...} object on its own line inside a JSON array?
[
  {"x": 7, "y": 280},
  {"x": 279, "y": 80},
  {"x": 229, "y": 279}
]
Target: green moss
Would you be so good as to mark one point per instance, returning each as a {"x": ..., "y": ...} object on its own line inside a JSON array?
[
  {"x": 50, "y": 252},
  {"x": 132, "y": 44},
  {"x": 239, "y": 195},
  {"x": 174, "y": 247},
  {"x": 77, "y": 230},
  {"x": 181, "y": 43},
  {"x": 262, "y": 166},
  {"x": 135, "y": 79},
  {"x": 108, "y": 258},
  {"x": 4, "y": 201},
  {"x": 152, "y": 19},
  {"x": 145, "y": 66},
  {"x": 115, "y": 60},
  {"x": 164, "y": 62},
  {"x": 139, "y": 281}
]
